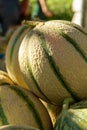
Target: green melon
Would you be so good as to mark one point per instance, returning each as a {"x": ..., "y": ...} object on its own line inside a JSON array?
[{"x": 54, "y": 62}]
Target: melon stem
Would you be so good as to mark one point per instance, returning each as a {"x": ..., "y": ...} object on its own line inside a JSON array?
[{"x": 32, "y": 23}]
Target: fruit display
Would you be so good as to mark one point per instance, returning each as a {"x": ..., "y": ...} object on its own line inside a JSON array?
[{"x": 44, "y": 84}]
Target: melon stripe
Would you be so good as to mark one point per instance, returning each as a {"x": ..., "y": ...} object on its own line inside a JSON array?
[
  {"x": 74, "y": 44},
  {"x": 5, "y": 83},
  {"x": 79, "y": 29},
  {"x": 22, "y": 29},
  {"x": 3, "y": 117},
  {"x": 35, "y": 82},
  {"x": 54, "y": 68},
  {"x": 30, "y": 105},
  {"x": 73, "y": 25}
]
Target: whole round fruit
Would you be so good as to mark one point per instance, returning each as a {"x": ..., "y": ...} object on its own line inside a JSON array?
[{"x": 53, "y": 61}]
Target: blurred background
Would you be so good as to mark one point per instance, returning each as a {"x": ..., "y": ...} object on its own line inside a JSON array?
[
  {"x": 14, "y": 12},
  {"x": 61, "y": 9}
]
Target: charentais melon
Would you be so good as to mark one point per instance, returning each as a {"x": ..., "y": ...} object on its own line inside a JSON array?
[
  {"x": 53, "y": 60},
  {"x": 21, "y": 107},
  {"x": 12, "y": 64},
  {"x": 72, "y": 117}
]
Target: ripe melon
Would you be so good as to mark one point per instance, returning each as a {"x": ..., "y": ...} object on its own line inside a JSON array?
[
  {"x": 54, "y": 62},
  {"x": 12, "y": 64},
  {"x": 21, "y": 107}
]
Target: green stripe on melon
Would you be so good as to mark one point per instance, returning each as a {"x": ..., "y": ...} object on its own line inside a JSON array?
[
  {"x": 55, "y": 61},
  {"x": 3, "y": 118},
  {"x": 53, "y": 66},
  {"x": 21, "y": 107},
  {"x": 73, "y": 25}
]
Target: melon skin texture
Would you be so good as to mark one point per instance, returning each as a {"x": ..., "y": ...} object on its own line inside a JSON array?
[
  {"x": 54, "y": 62},
  {"x": 15, "y": 127},
  {"x": 21, "y": 107}
]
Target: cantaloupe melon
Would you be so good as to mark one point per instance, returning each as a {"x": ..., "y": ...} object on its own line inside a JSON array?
[
  {"x": 12, "y": 64},
  {"x": 72, "y": 117},
  {"x": 54, "y": 62},
  {"x": 21, "y": 107}
]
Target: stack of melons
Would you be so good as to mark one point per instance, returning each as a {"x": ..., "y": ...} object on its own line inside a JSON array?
[{"x": 49, "y": 59}]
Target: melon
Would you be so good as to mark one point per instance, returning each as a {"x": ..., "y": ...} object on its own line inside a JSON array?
[
  {"x": 54, "y": 62},
  {"x": 72, "y": 117},
  {"x": 12, "y": 64},
  {"x": 21, "y": 107}
]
